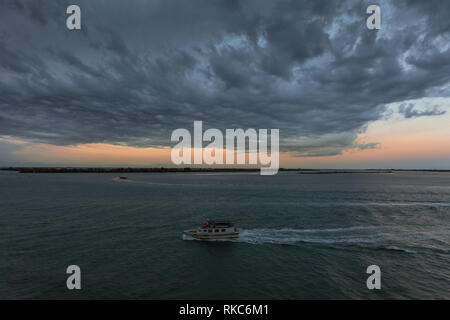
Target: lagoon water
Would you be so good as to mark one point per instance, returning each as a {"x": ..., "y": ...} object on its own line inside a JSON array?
[{"x": 302, "y": 236}]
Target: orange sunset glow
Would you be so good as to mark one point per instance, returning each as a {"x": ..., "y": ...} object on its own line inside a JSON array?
[{"x": 419, "y": 141}]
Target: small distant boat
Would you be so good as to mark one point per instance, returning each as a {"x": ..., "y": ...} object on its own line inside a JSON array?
[{"x": 213, "y": 230}]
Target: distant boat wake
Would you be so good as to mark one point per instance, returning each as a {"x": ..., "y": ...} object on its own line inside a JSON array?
[{"x": 174, "y": 184}]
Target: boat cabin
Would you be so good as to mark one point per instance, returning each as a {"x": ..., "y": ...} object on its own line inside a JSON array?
[{"x": 216, "y": 227}]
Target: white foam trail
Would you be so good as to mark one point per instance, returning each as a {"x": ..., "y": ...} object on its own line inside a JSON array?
[
  {"x": 378, "y": 204},
  {"x": 292, "y": 236},
  {"x": 322, "y": 230},
  {"x": 378, "y": 237}
]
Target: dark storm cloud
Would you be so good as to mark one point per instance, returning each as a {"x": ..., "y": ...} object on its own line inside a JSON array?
[{"x": 140, "y": 69}]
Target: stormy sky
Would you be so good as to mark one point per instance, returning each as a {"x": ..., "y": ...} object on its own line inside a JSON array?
[{"x": 139, "y": 69}]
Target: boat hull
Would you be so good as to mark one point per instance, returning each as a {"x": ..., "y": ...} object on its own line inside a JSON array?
[{"x": 228, "y": 235}]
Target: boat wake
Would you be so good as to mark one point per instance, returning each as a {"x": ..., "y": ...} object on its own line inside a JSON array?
[
  {"x": 357, "y": 234},
  {"x": 326, "y": 236},
  {"x": 389, "y": 238},
  {"x": 370, "y": 237}
]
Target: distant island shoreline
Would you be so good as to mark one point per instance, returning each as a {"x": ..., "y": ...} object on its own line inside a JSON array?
[{"x": 201, "y": 170}]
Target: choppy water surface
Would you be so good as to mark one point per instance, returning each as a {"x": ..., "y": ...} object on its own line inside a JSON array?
[{"x": 302, "y": 236}]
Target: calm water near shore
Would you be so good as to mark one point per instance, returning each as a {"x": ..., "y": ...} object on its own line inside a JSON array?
[{"x": 302, "y": 236}]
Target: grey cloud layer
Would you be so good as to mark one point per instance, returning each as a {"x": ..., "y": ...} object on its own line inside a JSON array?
[
  {"x": 409, "y": 112},
  {"x": 140, "y": 69}
]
